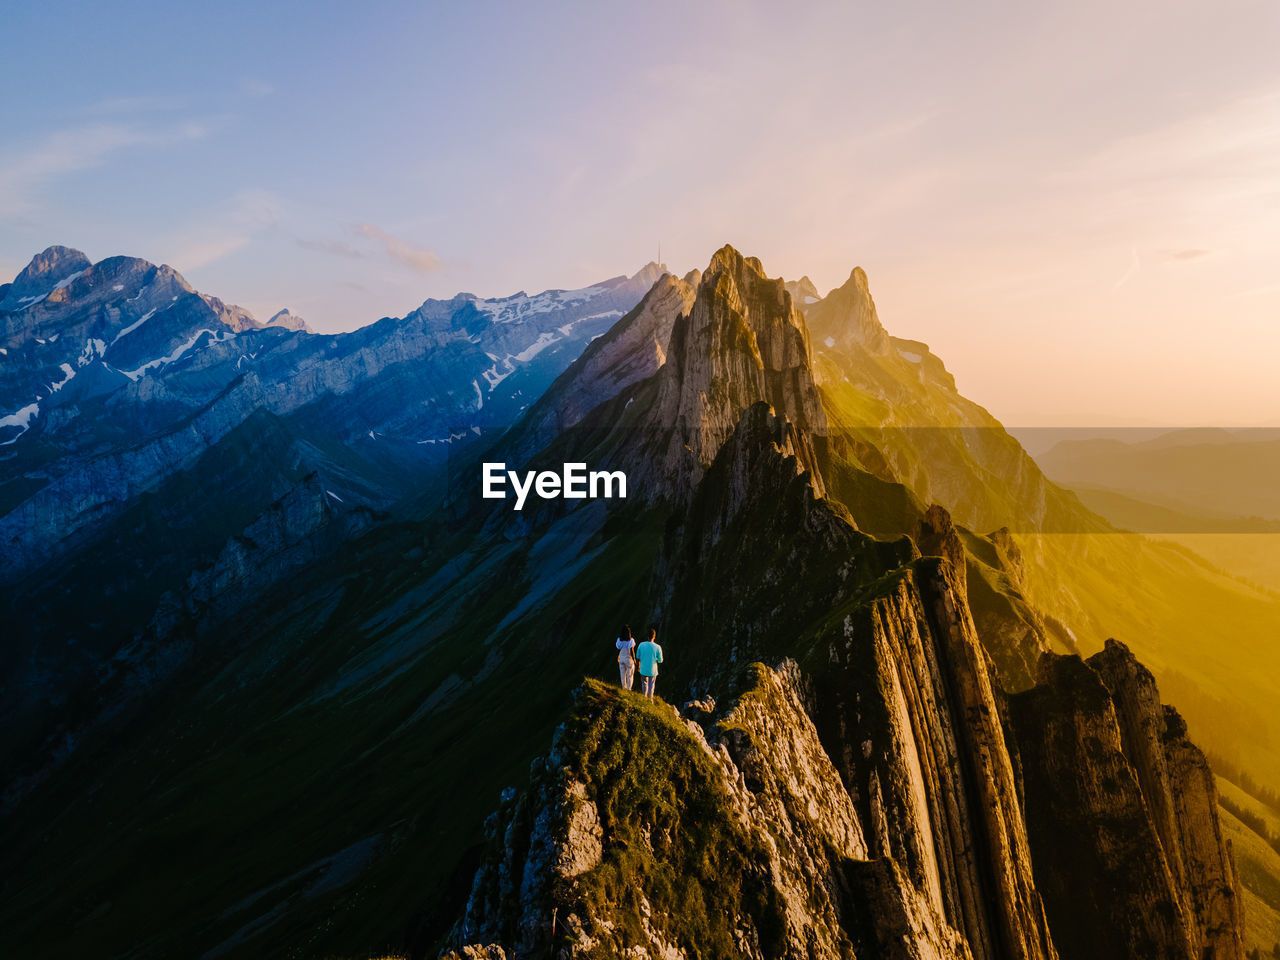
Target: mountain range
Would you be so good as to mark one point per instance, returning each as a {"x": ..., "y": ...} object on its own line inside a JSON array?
[
  {"x": 284, "y": 683},
  {"x": 202, "y": 450}
]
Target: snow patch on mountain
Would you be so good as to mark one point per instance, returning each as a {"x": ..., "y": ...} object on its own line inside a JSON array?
[
  {"x": 133, "y": 326},
  {"x": 451, "y": 437},
  {"x": 68, "y": 372},
  {"x": 521, "y": 306},
  {"x": 492, "y": 376},
  {"x": 93, "y": 347},
  {"x": 21, "y": 419},
  {"x": 170, "y": 358}
]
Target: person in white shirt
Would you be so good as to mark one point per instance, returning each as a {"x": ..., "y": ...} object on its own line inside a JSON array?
[{"x": 626, "y": 660}]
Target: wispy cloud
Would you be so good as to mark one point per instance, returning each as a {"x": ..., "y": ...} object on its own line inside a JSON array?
[
  {"x": 1189, "y": 254},
  {"x": 418, "y": 259},
  {"x": 248, "y": 214},
  {"x": 201, "y": 253},
  {"x": 25, "y": 173},
  {"x": 339, "y": 248}
]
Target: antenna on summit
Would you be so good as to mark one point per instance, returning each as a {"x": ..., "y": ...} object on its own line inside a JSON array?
[{"x": 659, "y": 253}]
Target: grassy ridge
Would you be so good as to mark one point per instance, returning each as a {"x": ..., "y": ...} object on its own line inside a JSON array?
[{"x": 675, "y": 848}]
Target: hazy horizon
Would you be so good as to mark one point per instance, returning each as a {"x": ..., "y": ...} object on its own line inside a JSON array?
[{"x": 1076, "y": 209}]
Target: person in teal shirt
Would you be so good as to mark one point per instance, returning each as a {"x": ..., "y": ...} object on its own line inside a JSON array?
[{"x": 649, "y": 655}]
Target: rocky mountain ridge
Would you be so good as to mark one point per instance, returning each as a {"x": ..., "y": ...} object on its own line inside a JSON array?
[
  {"x": 864, "y": 792},
  {"x": 891, "y": 690}
]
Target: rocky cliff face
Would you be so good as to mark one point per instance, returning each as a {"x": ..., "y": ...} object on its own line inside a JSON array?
[
  {"x": 848, "y": 315},
  {"x": 758, "y": 852},
  {"x": 743, "y": 341},
  {"x": 632, "y": 351},
  {"x": 874, "y": 793},
  {"x": 1123, "y": 816}
]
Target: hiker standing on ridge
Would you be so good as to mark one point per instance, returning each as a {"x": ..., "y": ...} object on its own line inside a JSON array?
[
  {"x": 626, "y": 659},
  {"x": 650, "y": 655}
]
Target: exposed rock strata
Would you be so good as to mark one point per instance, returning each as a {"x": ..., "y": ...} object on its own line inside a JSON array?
[
  {"x": 1122, "y": 810},
  {"x": 807, "y": 890},
  {"x": 742, "y": 342}
]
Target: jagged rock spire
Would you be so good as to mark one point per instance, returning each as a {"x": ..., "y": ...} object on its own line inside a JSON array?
[
  {"x": 848, "y": 316},
  {"x": 742, "y": 342}
]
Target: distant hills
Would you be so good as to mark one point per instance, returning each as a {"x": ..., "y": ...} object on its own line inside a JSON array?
[{"x": 1207, "y": 473}]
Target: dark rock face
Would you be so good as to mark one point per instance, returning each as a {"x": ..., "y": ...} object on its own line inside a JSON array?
[
  {"x": 1122, "y": 813},
  {"x": 1181, "y": 798}
]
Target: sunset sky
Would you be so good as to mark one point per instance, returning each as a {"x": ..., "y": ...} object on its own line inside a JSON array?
[{"x": 1078, "y": 209}]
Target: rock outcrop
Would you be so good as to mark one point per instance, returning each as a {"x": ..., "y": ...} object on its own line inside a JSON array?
[
  {"x": 1122, "y": 811},
  {"x": 803, "y": 292},
  {"x": 935, "y": 536},
  {"x": 289, "y": 321},
  {"x": 644, "y": 835},
  {"x": 47, "y": 270},
  {"x": 743, "y": 341},
  {"x": 633, "y": 350},
  {"x": 848, "y": 315},
  {"x": 908, "y": 706}
]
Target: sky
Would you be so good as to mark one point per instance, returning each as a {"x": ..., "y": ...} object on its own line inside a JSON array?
[{"x": 1077, "y": 206}]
